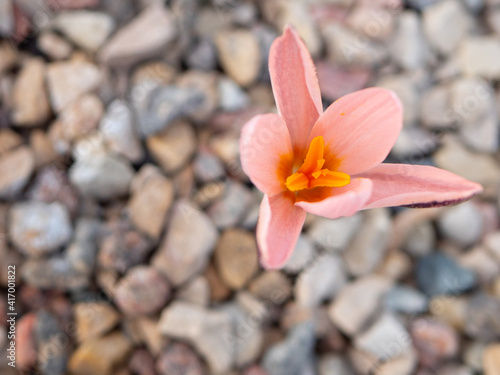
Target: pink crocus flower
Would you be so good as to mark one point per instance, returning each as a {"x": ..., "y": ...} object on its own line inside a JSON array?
[{"x": 329, "y": 163}]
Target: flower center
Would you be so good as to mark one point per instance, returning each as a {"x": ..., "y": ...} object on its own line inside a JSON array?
[{"x": 311, "y": 174}]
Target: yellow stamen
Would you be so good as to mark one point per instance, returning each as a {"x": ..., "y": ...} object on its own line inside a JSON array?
[{"x": 310, "y": 174}]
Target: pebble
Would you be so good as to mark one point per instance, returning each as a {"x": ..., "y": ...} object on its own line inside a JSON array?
[
  {"x": 479, "y": 168},
  {"x": 102, "y": 176},
  {"x": 87, "y": 29},
  {"x": 239, "y": 55},
  {"x": 236, "y": 257},
  {"x": 482, "y": 319},
  {"x": 142, "y": 291},
  {"x": 407, "y": 92},
  {"x": 437, "y": 274},
  {"x": 7, "y": 19},
  {"x": 387, "y": 338},
  {"x": 369, "y": 246},
  {"x": 231, "y": 208},
  {"x": 143, "y": 37},
  {"x": 16, "y": 168},
  {"x": 334, "y": 235},
  {"x": 117, "y": 128},
  {"x": 51, "y": 344},
  {"x": 173, "y": 147},
  {"x": 334, "y": 364},
  {"x": 94, "y": 319},
  {"x": 101, "y": 355},
  {"x": 335, "y": 81},
  {"x": 492, "y": 243},
  {"x": 357, "y": 302},
  {"x": 202, "y": 56},
  {"x": 491, "y": 360},
  {"x": 272, "y": 286},
  {"x": 152, "y": 196},
  {"x": 422, "y": 240},
  {"x": 51, "y": 184},
  {"x": 142, "y": 362},
  {"x": 182, "y": 255},
  {"x": 476, "y": 56},
  {"x": 482, "y": 263},
  {"x": 8, "y": 56},
  {"x": 408, "y": 47},
  {"x": 208, "y": 167},
  {"x": 451, "y": 310},
  {"x": 446, "y": 23},
  {"x": 42, "y": 148},
  {"x": 197, "y": 292},
  {"x": 69, "y": 80},
  {"x": 321, "y": 281},
  {"x": 293, "y": 355},
  {"x": 303, "y": 254},
  {"x": 54, "y": 46},
  {"x": 462, "y": 224},
  {"x": 38, "y": 228},
  {"x": 122, "y": 247},
  {"x": 25, "y": 341},
  {"x": 347, "y": 48},
  {"x": 179, "y": 359},
  {"x": 434, "y": 340},
  {"x": 435, "y": 108},
  {"x": 31, "y": 102},
  {"x": 407, "y": 300},
  {"x": 205, "y": 84},
  {"x": 232, "y": 97},
  {"x": 474, "y": 110},
  {"x": 9, "y": 140},
  {"x": 77, "y": 120},
  {"x": 208, "y": 331}
]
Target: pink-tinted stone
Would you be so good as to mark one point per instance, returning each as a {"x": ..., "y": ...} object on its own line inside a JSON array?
[
  {"x": 336, "y": 82},
  {"x": 25, "y": 343}
]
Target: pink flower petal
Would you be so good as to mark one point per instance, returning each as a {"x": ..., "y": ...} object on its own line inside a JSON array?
[
  {"x": 279, "y": 227},
  {"x": 295, "y": 86},
  {"x": 344, "y": 201},
  {"x": 417, "y": 186},
  {"x": 359, "y": 129},
  {"x": 266, "y": 152}
]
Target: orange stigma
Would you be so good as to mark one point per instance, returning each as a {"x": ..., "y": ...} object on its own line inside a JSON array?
[{"x": 310, "y": 174}]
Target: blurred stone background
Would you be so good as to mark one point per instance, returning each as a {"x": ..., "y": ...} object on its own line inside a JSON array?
[{"x": 131, "y": 225}]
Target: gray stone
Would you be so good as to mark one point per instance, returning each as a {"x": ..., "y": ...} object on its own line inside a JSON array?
[
  {"x": 332, "y": 364},
  {"x": 387, "y": 338},
  {"x": 446, "y": 23},
  {"x": 51, "y": 358},
  {"x": 164, "y": 105},
  {"x": 231, "y": 208},
  {"x": 439, "y": 275},
  {"x": 405, "y": 299},
  {"x": 357, "y": 303},
  {"x": 196, "y": 292},
  {"x": 477, "y": 56},
  {"x": 117, "y": 128},
  {"x": 72, "y": 271},
  {"x": 293, "y": 355},
  {"x": 474, "y": 111},
  {"x": 408, "y": 47},
  {"x": 422, "y": 239},
  {"x": 303, "y": 254},
  {"x": 182, "y": 254},
  {"x": 145, "y": 36},
  {"x": 38, "y": 229},
  {"x": 321, "y": 281},
  {"x": 370, "y": 244},
  {"x": 334, "y": 235},
  {"x": 407, "y": 92},
  {"x": 142, "y": 291},
  {"x": 210, "y": 332},
  {"x": 482, "y": 319},
  {"x": 101, "y": 176},
  {"x": 232, "y": 97},
  {"x": 462, "y": 224},
  {"x": 87, "y": 29},
  {"x": 436, "y": 107}
]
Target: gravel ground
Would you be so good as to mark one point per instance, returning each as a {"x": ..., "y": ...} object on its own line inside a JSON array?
[{"x": 131, "y": 225}]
